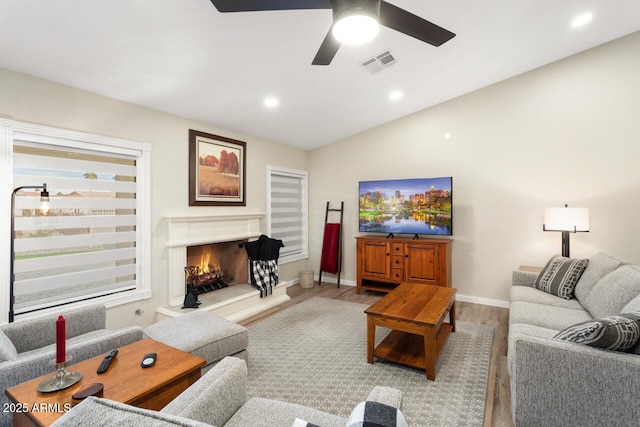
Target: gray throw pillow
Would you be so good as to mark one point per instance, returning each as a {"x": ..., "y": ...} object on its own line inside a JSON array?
[
  {"x": 7, "y": 349},
  {"x": 560, "y": 275},
  {"x": 619, "y": 333}
]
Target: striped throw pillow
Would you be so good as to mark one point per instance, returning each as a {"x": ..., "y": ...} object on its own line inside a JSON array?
[
  {"x": 619, "y": 333},
  {"x": 560, "y": 276}
]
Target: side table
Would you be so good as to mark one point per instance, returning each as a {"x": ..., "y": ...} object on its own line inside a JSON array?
[{"x": 125, "y": 381}]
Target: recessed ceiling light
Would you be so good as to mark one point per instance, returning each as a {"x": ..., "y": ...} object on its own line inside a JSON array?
[
  {"x": 447, "y": 135},
  {"x": 582, "y": 20},
  {"x": 396, "y": 95},
  {"x": 271, "y": 102}
]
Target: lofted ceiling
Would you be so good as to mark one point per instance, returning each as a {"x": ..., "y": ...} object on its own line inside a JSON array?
[{"x": 185, "y": 58}]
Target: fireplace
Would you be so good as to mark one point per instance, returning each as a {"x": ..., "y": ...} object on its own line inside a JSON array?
[
  {"x": 216, "y": 266},
  {"x": 236, "y": 302}
]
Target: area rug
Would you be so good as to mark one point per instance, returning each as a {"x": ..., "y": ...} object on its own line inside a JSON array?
[{"x": 314, "y": 354}]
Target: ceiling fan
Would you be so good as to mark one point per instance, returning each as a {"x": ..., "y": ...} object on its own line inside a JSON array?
[{"x": 370, "y": 13}]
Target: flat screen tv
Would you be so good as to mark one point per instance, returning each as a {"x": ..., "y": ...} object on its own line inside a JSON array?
[{"x": 406, "y": 206}]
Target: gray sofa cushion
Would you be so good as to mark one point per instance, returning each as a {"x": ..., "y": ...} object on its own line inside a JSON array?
[
  {"x": 104, "y": 412},
  {"x": 545, "y": 316},
  {"x": 619, "y": 333},
  {"x": 525, "y": 293},
  {"x": 7, "y": 349},
  {"x": 560, "y": 276},
  {"x": 599, "y": 266},
  {"x": 614, "y": 291},
  {"x": 276, "y": 413},
  {"x": 633, "y": 306}
]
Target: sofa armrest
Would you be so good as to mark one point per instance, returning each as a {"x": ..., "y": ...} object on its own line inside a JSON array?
[
  {"x": 31, "y": 334},
  {"x": 523, "y": 278},
  {"x": 387, "y": 395},
  {"x": 104, "y": 412},
  {"x": 216, "y": 396},
  {"x": 560, "y": 383}
]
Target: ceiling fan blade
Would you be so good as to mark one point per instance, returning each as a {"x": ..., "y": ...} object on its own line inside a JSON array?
[
  {"x": 327, "y": 51},
  {"x": 400, "y": 20},
  {"x": 258, "y": 5}
]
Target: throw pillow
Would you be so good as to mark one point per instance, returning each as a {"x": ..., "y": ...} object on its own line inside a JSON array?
[
  {"x": 620, "y": 333},
  {"x": 560, "y": 275},
  {"x": 302, "y": 423},
  {"x": 376, "y": 414},
  {"x": 7, "y": 349}
]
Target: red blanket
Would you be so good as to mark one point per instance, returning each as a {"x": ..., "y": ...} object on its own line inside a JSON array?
[{"x": 330, "y": 245}]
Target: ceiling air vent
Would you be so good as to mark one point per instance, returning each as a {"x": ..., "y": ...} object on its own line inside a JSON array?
[{"x": 378, "y": 62}]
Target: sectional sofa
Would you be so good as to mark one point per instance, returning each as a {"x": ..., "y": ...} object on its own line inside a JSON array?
[
  {"x": 561, "y": 361},
  {"x": 219, "y": 399}
]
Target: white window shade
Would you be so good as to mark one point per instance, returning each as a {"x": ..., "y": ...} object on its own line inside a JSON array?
[
  {"x": 287, "y": 211},
  {"x": 93, "y": 244}
]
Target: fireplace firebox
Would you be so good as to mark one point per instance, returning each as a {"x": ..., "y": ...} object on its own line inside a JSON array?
[{"x": 216, "y": 266}]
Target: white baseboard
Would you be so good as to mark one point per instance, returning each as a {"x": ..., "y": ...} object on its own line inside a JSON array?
[
  {"x": 463, "y": 298},
  {"x": 482, "y": 301}
]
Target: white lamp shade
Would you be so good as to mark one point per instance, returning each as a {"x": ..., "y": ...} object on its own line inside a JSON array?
[{"x": 566, "y": 219}]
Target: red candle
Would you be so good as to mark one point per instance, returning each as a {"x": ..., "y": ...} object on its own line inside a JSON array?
[{"x": 61, "y": 337}]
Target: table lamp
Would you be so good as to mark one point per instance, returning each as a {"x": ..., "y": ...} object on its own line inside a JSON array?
[{"x": 567, "y": 220}]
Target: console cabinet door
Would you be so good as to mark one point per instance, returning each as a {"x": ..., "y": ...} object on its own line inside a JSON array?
[
  {"x": 375, "y": 259},
  {"x": 421, "y": 263}
]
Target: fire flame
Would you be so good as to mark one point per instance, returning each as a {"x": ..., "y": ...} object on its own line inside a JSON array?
[
  {"x": 204, "y": 262},
  {"x": 206, "y": 266}
]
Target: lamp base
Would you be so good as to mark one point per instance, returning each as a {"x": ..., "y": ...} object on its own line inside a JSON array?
[{"x": 565, "y": 244}]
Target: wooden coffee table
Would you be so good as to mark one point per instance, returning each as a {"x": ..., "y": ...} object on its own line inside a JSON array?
[
  {"x": 416, "y": 315},
  {"x": 125, "y": 381}
]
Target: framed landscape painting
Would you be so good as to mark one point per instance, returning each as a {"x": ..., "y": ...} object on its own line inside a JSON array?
[{"x": 217, "y": 168}]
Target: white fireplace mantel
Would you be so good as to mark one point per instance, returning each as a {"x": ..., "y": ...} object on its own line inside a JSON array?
[
  {"x": 192, "y": 230},
  {"x": 203, "y": 229},
  {"x": 236, "y": 302}
]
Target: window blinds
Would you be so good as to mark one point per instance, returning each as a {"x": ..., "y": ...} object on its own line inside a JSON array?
[
  {"x": 287, "y": 211},
  {"x": 86, "y": 247}
]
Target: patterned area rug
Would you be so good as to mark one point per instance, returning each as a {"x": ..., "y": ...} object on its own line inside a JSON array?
[{"x": 314, "y": 354}]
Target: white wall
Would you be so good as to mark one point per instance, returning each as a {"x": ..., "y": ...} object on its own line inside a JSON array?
[
  {"x": 568, "y": 132},
  {"x": 34, "y": 100}
]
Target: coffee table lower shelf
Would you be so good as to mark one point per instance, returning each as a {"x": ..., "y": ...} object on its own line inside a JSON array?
[{"x": 408, "y": 349}]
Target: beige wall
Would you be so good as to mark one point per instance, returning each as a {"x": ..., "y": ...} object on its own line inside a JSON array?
[
  {"x": 565, "y": 133},
  {"x": 568, "y": 132},
  {"x": 34, "y": 100}
]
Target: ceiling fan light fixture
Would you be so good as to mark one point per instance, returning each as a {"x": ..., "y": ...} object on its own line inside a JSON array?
[{"x": 356, "y": 27}]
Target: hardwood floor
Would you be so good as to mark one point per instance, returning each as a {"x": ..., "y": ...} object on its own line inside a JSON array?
[{"x": 498, "y": 409}]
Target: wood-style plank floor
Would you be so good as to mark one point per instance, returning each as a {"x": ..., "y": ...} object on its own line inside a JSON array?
[{"x": 498, "y": 409}]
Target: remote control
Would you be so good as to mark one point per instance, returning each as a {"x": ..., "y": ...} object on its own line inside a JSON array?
[
  {"x": 148, "y": 360},
  {"x": 104, "y": 365}
]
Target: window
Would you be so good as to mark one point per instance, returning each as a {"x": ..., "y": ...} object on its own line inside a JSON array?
[
  {"x": 94, "y": 242},
  {"x": 287, "y": 211}
]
